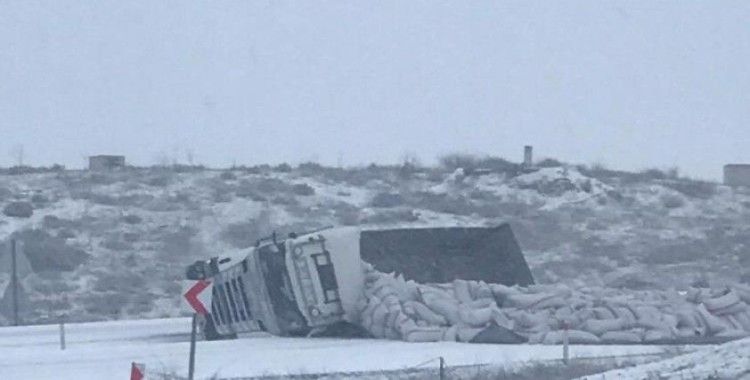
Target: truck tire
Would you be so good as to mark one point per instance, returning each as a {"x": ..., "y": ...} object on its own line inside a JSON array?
[{"x": 209, "y": 330}]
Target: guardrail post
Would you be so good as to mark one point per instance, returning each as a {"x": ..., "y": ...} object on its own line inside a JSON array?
[
  {"x": 565, "y": 343},
  {"x": 442, "y": 368},
  {"x": 62, "y": 335}
]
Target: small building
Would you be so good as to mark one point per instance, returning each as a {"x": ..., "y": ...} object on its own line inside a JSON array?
[
  {"x": 106, "y": 162},
  {"x": 737, "y": 175}
]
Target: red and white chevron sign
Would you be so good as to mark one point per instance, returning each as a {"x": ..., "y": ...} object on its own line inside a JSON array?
[
  {"x": 198, "y": 296},
  {"x": 137, "y": 371}
]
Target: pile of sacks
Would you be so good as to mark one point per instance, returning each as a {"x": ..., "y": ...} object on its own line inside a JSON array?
[{"x": 393, "y": 308}]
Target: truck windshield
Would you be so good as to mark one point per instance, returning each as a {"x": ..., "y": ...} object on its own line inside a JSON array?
[{"x": 279, "y": 287}]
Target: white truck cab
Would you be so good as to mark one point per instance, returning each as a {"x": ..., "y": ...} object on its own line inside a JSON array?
[
  {"x": 308, "y": 282},
  {"x": 289, "y": 287}
]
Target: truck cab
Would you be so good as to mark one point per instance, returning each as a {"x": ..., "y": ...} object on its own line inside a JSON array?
[{"x": 287, "y": 287}]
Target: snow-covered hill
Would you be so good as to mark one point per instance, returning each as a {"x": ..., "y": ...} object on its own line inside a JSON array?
[{"x": 115, "y": 245}]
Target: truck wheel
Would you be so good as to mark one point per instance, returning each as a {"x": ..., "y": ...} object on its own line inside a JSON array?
[
  {"x": 209, "y": 330},
  {"x": 342, "y": 329}
]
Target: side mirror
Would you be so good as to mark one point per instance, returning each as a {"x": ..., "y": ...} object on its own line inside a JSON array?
[{"x": 196, "y": 271}]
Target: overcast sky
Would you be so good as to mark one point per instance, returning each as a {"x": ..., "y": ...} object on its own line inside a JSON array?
[{"x": 628, "y": 84}]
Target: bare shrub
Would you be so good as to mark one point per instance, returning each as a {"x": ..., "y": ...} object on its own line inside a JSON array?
[
  {"x": 454, "y": 161},
  {"x": 219, "y": 196},
  {"x": 262, "y": 187},
  {"x": 113, "y": 243},
  {"x": 18, "y": 209},
  {"x": 482, "y": 195},
  {"x": 131, "y": 237},
  {"x": 285, "y": 200},
  {"x": 256, "y": 169},
  {"x": 653, "y": 174},
  {"x": 132, "y": 219},
  {"x": 5, "y": 193},
  {"x": 672, "y": 201},
  {"x": 391, "y": 217},
  {"x": 500, "y": 165},
  {"x": 604, "y": 174},
  {"x": 499, "y": 209},
  {"x": 98, "y": 198},
  {"x": 386, "y": 200},
  {"x": 162, "y": 179},
  {"x": 444, "y": 203},
  {"x": 46, "y": 252},
  {"x": 160, "y": 205},
  {"x": 182, "y": 168},
  {"x": 39, "y": 199},
  {"x": 66, "y": 233},
  {"x": 303, "y": 189},
  {"x": 470, "y": 163},
  {"x": 227, "y": 176},
  {"x": 549, "y": 163},
  {"x": 283, "y": 168},
  {"x": 693, "y": 189},
  {"x": 310, "y": 169}
]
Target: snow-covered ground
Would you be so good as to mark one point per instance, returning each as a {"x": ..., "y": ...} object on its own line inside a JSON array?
[
  {"x": 727, "y": 361},
  {"x": 104, "y": 350}
]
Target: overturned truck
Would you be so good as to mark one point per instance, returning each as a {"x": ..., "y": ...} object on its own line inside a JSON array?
[
  {"x": 466, "y": 284},
  {"x": 315, "y": 283}
]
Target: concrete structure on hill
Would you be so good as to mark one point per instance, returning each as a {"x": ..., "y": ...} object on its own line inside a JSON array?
[
  {"x": 737, "y": 175},
  {"x": 528, "y": 159},
  {"x": 106, "y": 162}
]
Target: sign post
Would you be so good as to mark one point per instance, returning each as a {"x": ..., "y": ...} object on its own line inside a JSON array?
[
  {"x": 191, "y": 364},
  {"x": 198, "y": 297},
  {"x": 14, "y": 280},
  {"x": 62, "y": 335}
]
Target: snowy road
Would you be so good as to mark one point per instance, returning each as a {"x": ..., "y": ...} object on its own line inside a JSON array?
[{"x": 105, "y": 350}]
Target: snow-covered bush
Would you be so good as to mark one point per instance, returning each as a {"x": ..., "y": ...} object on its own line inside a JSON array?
[
  {"x": 672, "y": 201},
  {"x": 227, "y": 175},
  {"x": 303, "y": 189},
  {"x": 19, "y": 209},
  {"x": 132, "y": 219}
]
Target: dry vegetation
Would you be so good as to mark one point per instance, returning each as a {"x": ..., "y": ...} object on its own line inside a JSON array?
[{"x": 115, "y": 244}]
